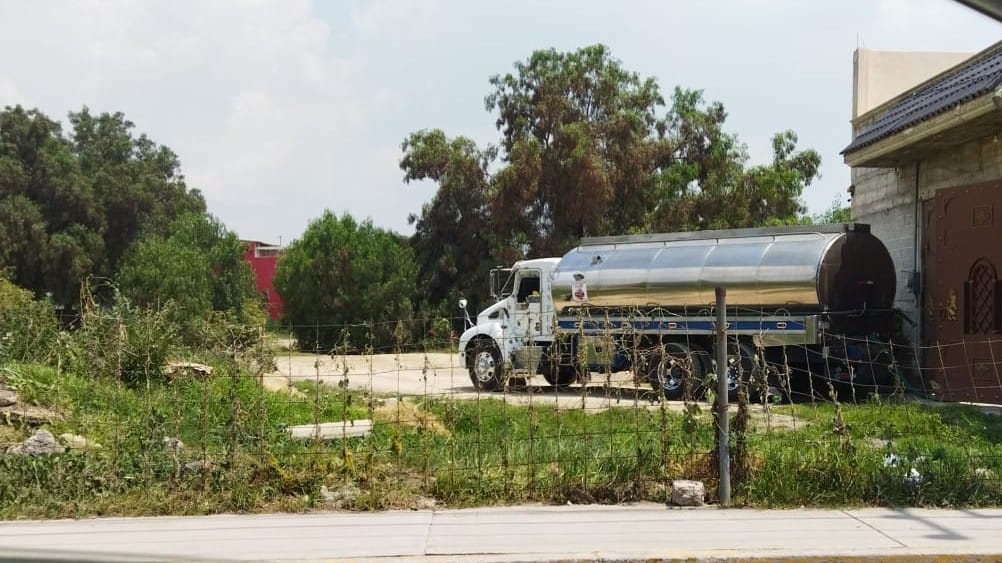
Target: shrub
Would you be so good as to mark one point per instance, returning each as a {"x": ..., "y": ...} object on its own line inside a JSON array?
[
  {"x": 124, "y": 341},
  {"x": 240, "y": 337},
  {"x": 28, "y": 327},
  {"x": 199, "y": 269}
]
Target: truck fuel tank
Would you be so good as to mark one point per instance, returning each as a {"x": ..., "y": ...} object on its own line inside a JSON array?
[{"x": 840, "y": 267}]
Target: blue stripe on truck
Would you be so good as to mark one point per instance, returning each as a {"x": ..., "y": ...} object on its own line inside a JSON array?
[{"x": 669, "y": 326}]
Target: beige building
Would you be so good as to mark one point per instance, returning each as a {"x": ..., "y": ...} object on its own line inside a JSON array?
[
  {"x": 879, "y": 76},
  {"x": 927, "y": 175}
]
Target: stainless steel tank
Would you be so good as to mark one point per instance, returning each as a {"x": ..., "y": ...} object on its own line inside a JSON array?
[{"x": 828, "y": 267}]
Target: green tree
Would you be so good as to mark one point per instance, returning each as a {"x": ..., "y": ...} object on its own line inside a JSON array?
[
  {"x": 345, "y": 283},
  {"x": 71, "y": 205},
  {"x": 580, "y": 136},
  {"x": 198, "y": 268},
  {"x": 837, "y": 212},
  {"x": 452, "y": 234},
  {"x": 588, "y": 148}
]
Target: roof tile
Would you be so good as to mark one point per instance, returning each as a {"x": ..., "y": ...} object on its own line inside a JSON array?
[{"x": 978, "y": 75}]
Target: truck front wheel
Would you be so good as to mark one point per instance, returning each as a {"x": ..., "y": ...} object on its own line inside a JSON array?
[{"x": 485, "y": 365}]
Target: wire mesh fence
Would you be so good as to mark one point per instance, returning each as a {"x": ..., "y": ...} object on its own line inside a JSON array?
[{"x": 389, "y": 415}]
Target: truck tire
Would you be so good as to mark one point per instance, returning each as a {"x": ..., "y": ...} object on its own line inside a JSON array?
[
  {"x": 558, "y": 365},
  {"x": 561, "y": 376},
  {"x": 670, "y": 367},
  {"x": 742, "y": 364},
  {"x": 486, "y": 371}
]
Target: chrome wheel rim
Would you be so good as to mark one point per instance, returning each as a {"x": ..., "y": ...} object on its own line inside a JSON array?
[
  {"x": 670, "y": 373},
  {"x": 733, "y": 370},
  {"x": 484, "y": 367}
]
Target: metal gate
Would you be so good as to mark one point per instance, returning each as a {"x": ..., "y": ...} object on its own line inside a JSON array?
[{"x": 962, "y": 292}]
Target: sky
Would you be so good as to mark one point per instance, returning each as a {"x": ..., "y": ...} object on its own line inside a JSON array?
[{"x": 281, "y": 109}]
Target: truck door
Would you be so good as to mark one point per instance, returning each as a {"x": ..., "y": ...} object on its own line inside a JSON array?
[{"x": 528, "y": 305}]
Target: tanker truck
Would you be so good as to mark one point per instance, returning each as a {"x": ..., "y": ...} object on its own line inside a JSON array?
[{"x": 801, "y": 302}]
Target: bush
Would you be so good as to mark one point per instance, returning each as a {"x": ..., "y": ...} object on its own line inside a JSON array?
[
  {"x": 229, "y": 424},
  {"x": 347, "y": 284},
  {"x": 28, "y": 328},
  {"x": 129, "y": 343},
  {"x": 199, "y": 269},
  {"x": 240, "y": 337}
]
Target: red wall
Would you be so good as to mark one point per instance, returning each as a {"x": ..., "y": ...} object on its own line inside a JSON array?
[{"x": 264, "y": 272}]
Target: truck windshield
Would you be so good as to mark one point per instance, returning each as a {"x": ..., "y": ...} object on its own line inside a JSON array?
[{"x": 502, "y": 282}]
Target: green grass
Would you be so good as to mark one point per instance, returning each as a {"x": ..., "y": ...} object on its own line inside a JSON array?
[
  {"x": 465, "y": 453},
  {"x": 955, "y": 450},
  {"x": 228, "y": 421}
]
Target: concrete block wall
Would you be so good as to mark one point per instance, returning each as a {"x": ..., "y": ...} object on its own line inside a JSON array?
[
  {"x": 885, "y": 198},
  {"x": 971, "y": 163},
  {"x": 886, "y": 201}
]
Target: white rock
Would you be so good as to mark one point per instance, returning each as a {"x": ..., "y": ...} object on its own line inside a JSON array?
[
  {"x": 198, "y": 466},
  {"x": 7, "y": 398},
  {"x": 687, "y": 493},
  {"x": 179, "y": 369},
  {"x": 340, "y": 497},
  {"x": 77, "y": 442},
  {"x": 173, "y": 445},
  {"x": 425, "y": 503}
]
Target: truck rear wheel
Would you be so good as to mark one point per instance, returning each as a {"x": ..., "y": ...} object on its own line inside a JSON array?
[
  {"x": 671, "y": 367},
  {"x": 485, "y": 365},
  {"x": 742, "y": 365},
  {"x": 559, "y": 365},
  {"x": 561, "y": 376}
]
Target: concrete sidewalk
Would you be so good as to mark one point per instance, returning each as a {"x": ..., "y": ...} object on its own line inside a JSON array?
[{"x": 562, "y": 533}]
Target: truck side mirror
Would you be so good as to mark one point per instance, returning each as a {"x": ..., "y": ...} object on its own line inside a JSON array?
[{"x": 466, "y": 314}]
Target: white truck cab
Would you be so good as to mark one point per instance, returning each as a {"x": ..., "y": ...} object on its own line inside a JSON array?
[{"x": 511, "y": 334}]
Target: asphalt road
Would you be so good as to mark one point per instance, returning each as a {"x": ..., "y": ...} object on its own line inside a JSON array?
[{"x": 564, "y": 533}]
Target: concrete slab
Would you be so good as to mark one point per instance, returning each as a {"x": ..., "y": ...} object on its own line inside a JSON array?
[
  {"x": 331, "y": 430},
  {"x": 258, "y": 538},
  {"x": 649, "y": 531},
  {"x": 948, "y": 531},
  {"x": 536, "y": 533}
]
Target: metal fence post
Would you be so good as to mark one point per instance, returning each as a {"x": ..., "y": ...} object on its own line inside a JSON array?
[{"x": 723, "y": 439}]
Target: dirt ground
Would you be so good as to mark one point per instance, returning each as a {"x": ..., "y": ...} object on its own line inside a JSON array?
[{"x": 440, "y": 375}]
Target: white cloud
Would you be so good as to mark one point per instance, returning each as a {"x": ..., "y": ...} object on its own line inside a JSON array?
[
  {"x": 9, "y": 92},
  {"x": 279, "y": 109},
  {"x": 249, "y": 94}
]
